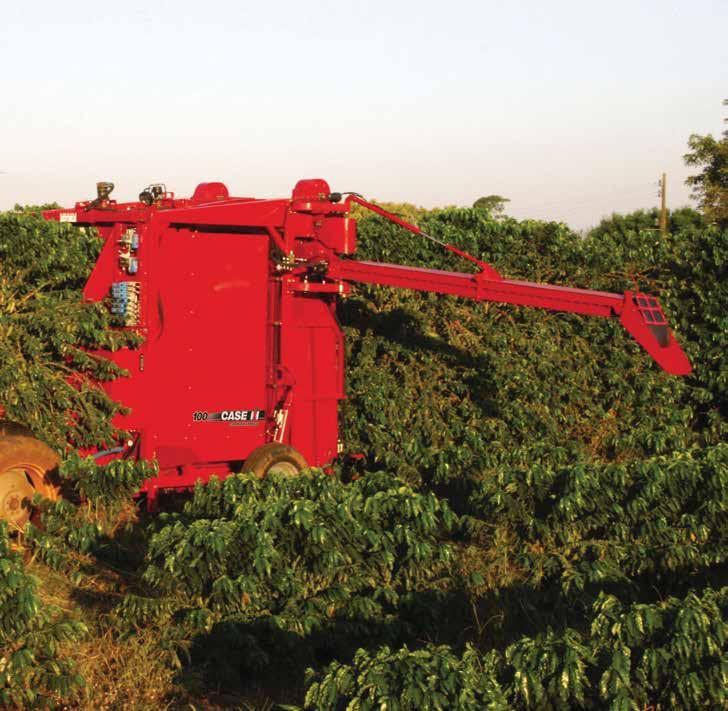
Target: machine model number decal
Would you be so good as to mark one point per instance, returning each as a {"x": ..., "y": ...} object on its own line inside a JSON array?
[{"x": 236, "y": 418}]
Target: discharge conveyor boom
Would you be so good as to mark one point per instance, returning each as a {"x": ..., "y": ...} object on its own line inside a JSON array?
[{"x": 640, "y": 314}]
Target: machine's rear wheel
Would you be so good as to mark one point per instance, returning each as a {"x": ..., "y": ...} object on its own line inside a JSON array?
[
  {"x": 27, "y": 466},
  {"x": 274, "y": 458}
]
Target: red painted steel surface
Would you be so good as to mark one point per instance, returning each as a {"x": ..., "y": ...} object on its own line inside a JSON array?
[{"x": 236, "y": 299}]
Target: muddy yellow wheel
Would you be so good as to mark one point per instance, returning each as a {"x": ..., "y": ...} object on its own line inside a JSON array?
[
  {"x": 27, "y": 467},
  {"x": 274, "y": 458}
]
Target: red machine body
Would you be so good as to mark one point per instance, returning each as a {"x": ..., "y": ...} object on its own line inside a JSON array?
[{"x": 236, "y": 301}]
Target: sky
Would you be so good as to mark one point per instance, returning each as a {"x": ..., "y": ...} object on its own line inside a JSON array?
[{"x": 570, "y": 109}]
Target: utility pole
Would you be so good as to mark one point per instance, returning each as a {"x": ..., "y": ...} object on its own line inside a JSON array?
[{"x": 663, "y": 205}]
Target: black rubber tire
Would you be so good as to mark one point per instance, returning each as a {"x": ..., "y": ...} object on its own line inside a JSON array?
[
  {"x": 21, "y": 452},
  {"x": 275, "y": 457}
]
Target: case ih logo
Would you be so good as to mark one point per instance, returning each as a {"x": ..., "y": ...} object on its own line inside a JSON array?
[{"x": 237, "y": 418}]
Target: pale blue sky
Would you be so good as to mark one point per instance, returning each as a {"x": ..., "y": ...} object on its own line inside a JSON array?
[{"x": 571, "y": 109}]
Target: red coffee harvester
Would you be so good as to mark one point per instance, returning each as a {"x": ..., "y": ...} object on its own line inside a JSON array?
[{"x": 242, "y": 364}]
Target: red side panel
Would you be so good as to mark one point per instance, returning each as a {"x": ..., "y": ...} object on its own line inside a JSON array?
[
  {"x": 198, "y": 385},
  {"x": 313, "y": 351}
]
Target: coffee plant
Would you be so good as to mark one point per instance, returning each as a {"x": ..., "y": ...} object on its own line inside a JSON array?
[
  {"x": 440, "y": 388},
  {"x": 33, "y": 670},
  {"x": 304, "y": 556},
  {"x": 97, "y": 503},
  {"x": 432, "y": 677},
  {"x": 663, "y": 519},
  {"x": 667, "y": 655},
  {"x": 48, "y": 372}
]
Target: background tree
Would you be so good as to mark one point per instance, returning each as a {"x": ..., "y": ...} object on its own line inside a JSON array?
[
  {"x": 710, "y": 186},
  {"x": 491, "y": 203}
]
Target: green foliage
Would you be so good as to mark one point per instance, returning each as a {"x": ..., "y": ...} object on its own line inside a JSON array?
[
  {"x": 36, "y": 210},
  {"x": 46, "y": 369},
  {"x": 670, "y": 655},
  {"x": 109, "y": 487},
  {"x": 591, "y": 526},
  {"x": 587, "y": 474},
  {"x": 97, "y": 503},
  {"x": 254, "y": 566},
  {"x": 667, "y": 655},
  {"x": 710, "y": 186},
  {"x": 33, "y": 669},
  {"x": 623, "y": 232},
  {"x": 305, "y": 550},
  {"x": 405, "y": 210},
  {"x": 431, "y": 678},
  {"x": 688, "y": 270},
  {"x": 494, "y": 204},
  {"x": 440, "y": 389}
]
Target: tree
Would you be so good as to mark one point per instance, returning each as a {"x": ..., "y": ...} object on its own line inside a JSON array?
[
  {"x": 710, "y": 186},
  {"x": 491, "y": 203}
]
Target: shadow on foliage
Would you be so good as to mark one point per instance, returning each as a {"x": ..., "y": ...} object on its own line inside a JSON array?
[
  {"x": 244, "y": 656},
  {"x": 405, "y": 328}
]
